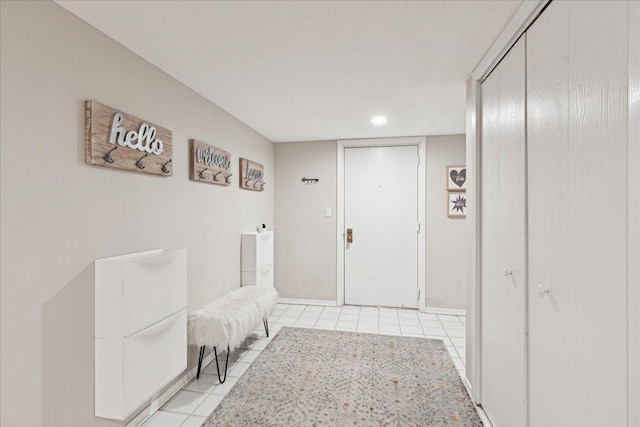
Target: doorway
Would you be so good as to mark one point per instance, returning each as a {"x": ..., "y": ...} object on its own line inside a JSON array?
[{"x": 381, "y": 240}]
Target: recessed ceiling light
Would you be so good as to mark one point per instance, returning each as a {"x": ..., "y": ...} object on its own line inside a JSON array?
[{"x": 378, "y": 120}]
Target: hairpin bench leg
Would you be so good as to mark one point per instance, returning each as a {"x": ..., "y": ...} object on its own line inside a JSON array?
[
  {"x": 266, "y": 326},
  {"x": 215, "y": 352},
  {"x": 200, "y": 361}
]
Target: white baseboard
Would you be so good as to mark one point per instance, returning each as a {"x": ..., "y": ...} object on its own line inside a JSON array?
[
  {"x": 483, "y": 416},
  {"x": 453, "y": 311},
  {"x": 157, "y": 403},
  {"x": 301, "y": 301}
]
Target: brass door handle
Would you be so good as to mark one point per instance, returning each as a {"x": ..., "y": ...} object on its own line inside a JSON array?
[{"x": 349, "y": 235}]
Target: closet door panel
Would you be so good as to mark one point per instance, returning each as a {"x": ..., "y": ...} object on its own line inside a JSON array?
[
  {"x": 511, "y": 272},
  {"x": 576, "y": 77},
  {"x": 503, "y": 202},
  {"x": 549, "y": 215},
  {"x": 490, "y": 296}
]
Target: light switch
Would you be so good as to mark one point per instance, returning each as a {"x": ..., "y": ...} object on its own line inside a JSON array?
[{"x": 327, "y": 212}]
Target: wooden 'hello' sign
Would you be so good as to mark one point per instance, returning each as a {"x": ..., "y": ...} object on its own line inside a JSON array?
[
  {"x": 122, "y": 141},
  {"x": 251, "y": 175},
  {"x": 209, "y": 164}
]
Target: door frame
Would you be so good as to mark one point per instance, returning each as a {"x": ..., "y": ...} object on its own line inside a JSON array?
[{"x": 421, "y": 143}]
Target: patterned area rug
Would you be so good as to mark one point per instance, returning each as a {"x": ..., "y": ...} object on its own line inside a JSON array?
[{"x": 311, "y": 377}]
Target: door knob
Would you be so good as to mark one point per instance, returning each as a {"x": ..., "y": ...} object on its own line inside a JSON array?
[
  {"x": 349, "y": 235},
  {"x": 543, "y": 289},
  {"x": 508, "y": 272}
]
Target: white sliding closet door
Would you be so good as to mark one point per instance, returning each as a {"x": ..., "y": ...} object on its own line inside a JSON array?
[
  {"x": 503, "y": 241},
  {"x": 577, "y": 166}
]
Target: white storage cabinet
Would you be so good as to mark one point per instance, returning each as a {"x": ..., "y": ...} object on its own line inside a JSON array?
[
  {"x": 140, "y": 328},
  {"x": 257, "y": 259}
]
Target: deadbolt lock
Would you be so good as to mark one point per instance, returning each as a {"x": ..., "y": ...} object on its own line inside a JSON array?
[{"x": 349, "y": 235}]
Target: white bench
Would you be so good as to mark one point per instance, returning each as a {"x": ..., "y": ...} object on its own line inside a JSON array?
[{"x": 227, "y": 321}]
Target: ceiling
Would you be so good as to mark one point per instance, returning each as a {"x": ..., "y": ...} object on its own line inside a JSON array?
[{"x": 301, "y": 71}]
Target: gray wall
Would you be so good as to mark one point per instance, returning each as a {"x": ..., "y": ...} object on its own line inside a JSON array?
[
  {"x": 446, "y": 248},
  {"x": 305, "y": 240},
  {"x": 305, "y": 258},
  {"x": 58, "y": 214}
]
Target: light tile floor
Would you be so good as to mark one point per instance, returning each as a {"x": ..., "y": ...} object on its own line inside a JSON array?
[{"x": 191, "y": 405}]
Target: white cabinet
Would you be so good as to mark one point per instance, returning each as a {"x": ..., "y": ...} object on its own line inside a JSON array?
[
  {"x": 257, "y": 259},
  {"x": 140, "y": 328}
]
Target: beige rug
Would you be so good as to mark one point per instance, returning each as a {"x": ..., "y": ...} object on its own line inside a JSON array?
[{"x": 311, "y": 377}]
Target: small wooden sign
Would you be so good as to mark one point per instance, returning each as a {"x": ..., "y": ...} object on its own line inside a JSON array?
[
  {"x": 251, "y": 175},
  {"x": 122, "y": 141},
  {"x": 209, "y": 164}
]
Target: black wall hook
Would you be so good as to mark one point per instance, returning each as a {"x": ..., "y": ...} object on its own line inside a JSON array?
[
  {"x": 227, "y": 178},
  {"x": 139, "y": 162},
  {"x": 164, "y": 167},
  {"x": 215, "y": 177},
  {"x": 107, "y": 157},
  {"x": 201, "y": 173},
  {"x": 310, "y": 180}
]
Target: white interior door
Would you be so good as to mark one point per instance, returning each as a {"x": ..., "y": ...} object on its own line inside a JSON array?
[
  {"x": 381, "y": 209},
  {"x": 503, "y": 288},
  {"x": 577, "y": 155}
]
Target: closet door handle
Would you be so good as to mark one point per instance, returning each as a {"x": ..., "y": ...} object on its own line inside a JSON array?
[{"x": 543, "y": 290}]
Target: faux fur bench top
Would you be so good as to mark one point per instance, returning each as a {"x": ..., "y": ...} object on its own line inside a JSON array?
[{"x": 227, "y": 321}]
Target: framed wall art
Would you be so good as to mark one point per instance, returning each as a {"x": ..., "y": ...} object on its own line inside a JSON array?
[
  {"x": 456, "y": 178},
  {"x": 456, "y": 204}
]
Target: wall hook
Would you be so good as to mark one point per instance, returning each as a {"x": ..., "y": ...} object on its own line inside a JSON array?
[
  {"x": 164, "y": 167},
  {"x": 139, "y": 162},
  {"x": 310, "y": 180},
  {"x": 215, "y": 177},
  {"x": 107, "y": 157},
  {"x": 201, "y": 173},
  {"x": 227, "y": 179}
]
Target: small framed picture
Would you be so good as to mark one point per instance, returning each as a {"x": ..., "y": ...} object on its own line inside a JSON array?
[
  {"x": 456, "y": 204},
  {"x": 456, "y": 178}
]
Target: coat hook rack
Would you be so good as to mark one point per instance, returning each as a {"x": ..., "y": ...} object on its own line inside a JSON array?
[
  {"x": 164, "y": 167},
  {"x": 201, "y": 173},
  {"x": 227, "y": 178},
  {"x": 310, "y": 180},
  {"x": 107, "y": 157},
  {"x": 139, "y": 162},
  {"x": 215, "y": 177}
]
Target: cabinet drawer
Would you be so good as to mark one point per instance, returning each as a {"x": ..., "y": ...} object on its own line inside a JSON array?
[
  {"x": 153, "y": 288},
  {"x": 257, "y": 250},
  {"x": 264, "y": 250},
  {"x": 153, "y": 358},
  {"x": 262, "y": 277}
]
